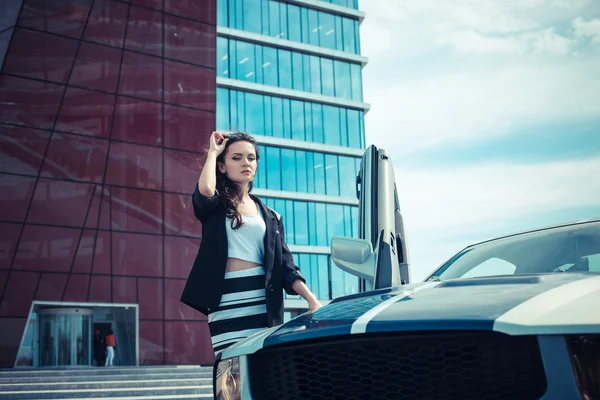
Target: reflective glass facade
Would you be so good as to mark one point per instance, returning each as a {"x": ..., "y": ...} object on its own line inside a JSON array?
[
  {"x": 103, "y": 104},
  {"x": 289, "y": 21},
  {"x": 325, "y": 172},
  {"x": 288, "y": 69},
  {"x": 279, "y": 117}
]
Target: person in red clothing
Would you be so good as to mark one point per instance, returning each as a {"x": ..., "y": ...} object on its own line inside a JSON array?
[{"x": 110, "y": 348}]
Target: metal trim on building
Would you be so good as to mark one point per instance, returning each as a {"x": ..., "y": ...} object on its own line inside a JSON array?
[
  {"x": 296, "y": 248},
  {"x": 308, "y": 146},
  {"x": 318, "y": 198},
  {"x": 332, "y": 8},
  {"x": 291, "y": 94},
  {"x": 291, "y": 45}
]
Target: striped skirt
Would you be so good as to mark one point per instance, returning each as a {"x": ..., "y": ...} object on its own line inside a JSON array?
[{"x": 242, "y": 310}]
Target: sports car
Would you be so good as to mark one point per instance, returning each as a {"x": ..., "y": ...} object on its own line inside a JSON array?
[{"x": 516, "y": 317}]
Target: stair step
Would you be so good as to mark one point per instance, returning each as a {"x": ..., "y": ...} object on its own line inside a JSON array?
[
  {"x": 106, "y": 384},
  {"x": 103, "y": 378},
  {"x": 111, "y": 393}
]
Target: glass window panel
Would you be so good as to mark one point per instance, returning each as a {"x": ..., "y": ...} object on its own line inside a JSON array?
[
  {"x": 319, "y": 169},
  {"x": 350, "y": 284},
  {"x": 274, "y": 25},
  {"x": 290, "y": 230},
  {"x": 301, "y": 222},
  {"x": 356, "y": 82},
  {"x": 310, "y": 159},
  {"x": 233, "y": 109},
  {"x": 357, "y": 37},
  {"x": 312, "y": 224},
  {"x": 268, "y": 116},
  {"x": 255, "y": 122},
  {"x": 241, "y": 106},
  {"x": 277, "y": 113},
  {"x": 287, "y": 119},
  {"x": 327, "y": 77},
  {"x": 343, "y": 84},
  {"x": 283, "y": 20},
  {"x": 343, "y": 127},
  {"x": 337, "y": 282},
  {"x": 269, "y": 66},
  {"x": 331, "y": 125},
  {"x": 315, "y": 74},
  {"x": 354, "y": 222},
  {"x": 347, "y": 177},
  {"x": 349, "y": 35},
  {"x": 259, "y": 181},
  {"x": 317, "y": 120},
  {"x": 321, "y": 215},
  {"x": 245, "y": 62},
  {"x": 335, "y": 220},
  {"x": 353, "y": 128},
  {"x": 222, "y": 11},
  {"x": 339, "y": 34},
  {"x": 361, "y": 124},
  {"x": 305, "y": 266},
  {"x": 323, "y": 262},
  {"x": 298, "y": 120},
  {"x": 347, "y": 221},
  {"x": 332, "y": 174},
  {"x": 223, "y": 109},
  {"x": 301, "y": 180},
  {"x": 222, "y": 57},
  {"x": 265, "y": 17},
  {"x": 307, "y": 72},
  {"x": 313, "y": 26},
  {"x": 258, "y": 65},
  {"x": 233, "y": 5},
  {"x": 288, "y": 163},
  {"x": 273, "y": 168},
  {"x": 251, "y": 16},
  {"x": 294, "y": 26},
  {"x": 305, "y": 25},
  {"x": 308, "y": 122},
  {"x": 285, "y": 68},
  {"x": 327, "y": 30},
  {"x": 297, "y": 71}
]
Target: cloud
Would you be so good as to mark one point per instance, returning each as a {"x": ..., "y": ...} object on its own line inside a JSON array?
[
  {"x": 477, "y": 103},
  {"x": 589, "y": 29},
  {"x": 543, "y": 41},
  {"x": 470, "y": 196},
  {"x": 446, "y": 210},
  {"x": 418, "y": 26}
]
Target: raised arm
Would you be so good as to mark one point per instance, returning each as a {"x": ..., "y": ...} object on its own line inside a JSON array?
[{"x": 208, "y": 178}]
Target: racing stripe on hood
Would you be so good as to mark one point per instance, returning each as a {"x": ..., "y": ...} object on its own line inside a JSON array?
[
  {"x": 567, "y": 309},
  {"x": 360, "y": 326}
]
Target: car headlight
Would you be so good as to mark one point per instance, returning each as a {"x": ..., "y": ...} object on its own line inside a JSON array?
[{"x": 227, "y": 379}]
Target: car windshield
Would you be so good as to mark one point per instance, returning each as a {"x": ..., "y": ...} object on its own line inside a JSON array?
[{"x": 572, "y": 248}]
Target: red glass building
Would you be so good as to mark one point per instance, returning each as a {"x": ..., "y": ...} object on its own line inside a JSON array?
[{"x": 104, "y": 107}]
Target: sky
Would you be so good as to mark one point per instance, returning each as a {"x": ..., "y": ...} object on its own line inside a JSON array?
[{"x": 490, "y": 110}]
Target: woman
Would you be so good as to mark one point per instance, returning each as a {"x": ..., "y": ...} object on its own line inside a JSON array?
[
  {"x": 243, "y": 264},
  {"x": 110, "y": 348}
]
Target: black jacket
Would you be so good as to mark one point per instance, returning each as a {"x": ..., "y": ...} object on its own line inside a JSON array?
[{"x": 204, "y": 286}]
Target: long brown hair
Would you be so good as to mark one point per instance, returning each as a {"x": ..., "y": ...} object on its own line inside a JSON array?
[{"x": 229, "y": 191}]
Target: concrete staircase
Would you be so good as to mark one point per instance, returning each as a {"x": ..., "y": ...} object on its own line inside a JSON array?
[{"x": 126, "y": 383}]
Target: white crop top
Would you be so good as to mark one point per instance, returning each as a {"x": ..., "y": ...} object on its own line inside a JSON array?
[{"x": 247, "y": 242}]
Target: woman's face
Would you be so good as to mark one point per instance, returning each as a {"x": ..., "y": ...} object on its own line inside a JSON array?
[{"x": 239, "y": 162}]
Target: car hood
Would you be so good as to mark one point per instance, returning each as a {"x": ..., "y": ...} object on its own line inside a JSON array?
[{"x": 516, "y": 305}]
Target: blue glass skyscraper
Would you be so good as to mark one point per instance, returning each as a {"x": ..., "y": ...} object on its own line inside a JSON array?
[{"x": 289, "y": 73}]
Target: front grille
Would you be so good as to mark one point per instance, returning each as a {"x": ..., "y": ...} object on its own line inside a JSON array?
[{"x": 466, "y": 365}]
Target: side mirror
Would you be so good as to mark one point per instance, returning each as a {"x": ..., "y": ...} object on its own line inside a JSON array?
[{"x": 354, "y": 256}]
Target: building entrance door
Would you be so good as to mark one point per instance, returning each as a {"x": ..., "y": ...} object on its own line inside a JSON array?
[{"x": 64, "y": 336}]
